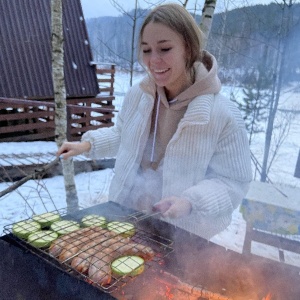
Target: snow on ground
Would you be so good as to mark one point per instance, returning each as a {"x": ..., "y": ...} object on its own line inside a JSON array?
[{"x": 49, "y": 194}]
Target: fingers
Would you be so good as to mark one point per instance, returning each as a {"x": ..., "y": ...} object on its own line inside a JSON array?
[
  {"x": 173, "y": 212},
  {"x": 173, "y": 207},
  {"x": 161, "y": 206},
  {"x": 69, "y": 149},
  {"x": 66, "y": 150}
]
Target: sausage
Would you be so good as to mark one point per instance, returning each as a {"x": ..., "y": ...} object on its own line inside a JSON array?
[
  {"x": 81, "y": 262},
  {"x": 91, "y": 250},
  {"x": 82, "y": 243},
  {"x": 135, "y": 249},
  {"x": 59, "y": 244},
  {"x": 100, "y": 270}
]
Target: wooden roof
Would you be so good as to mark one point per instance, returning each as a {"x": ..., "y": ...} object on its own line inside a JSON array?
[{"x": 25, "y": 50}]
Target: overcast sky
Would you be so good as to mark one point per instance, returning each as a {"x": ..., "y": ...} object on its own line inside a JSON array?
[{"x": 99, "y": 8}]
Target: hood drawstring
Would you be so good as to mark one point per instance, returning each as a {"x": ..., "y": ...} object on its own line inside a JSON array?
[
  {"x": 155, "y": 130},
  {"x": 155, "y": 126}
]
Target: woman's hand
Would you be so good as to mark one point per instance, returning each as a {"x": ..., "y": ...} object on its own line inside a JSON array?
[
  {"x": 69, "y": 149},
  {"x": 173, "y": 207}
]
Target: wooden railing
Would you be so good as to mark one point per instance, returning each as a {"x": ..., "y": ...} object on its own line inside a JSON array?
[
  {"x": 29, "y": 120},
  {"x": 106, "y": 78}
]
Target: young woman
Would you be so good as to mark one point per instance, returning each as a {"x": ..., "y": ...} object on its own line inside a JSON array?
[{"x": 181, "y": 147}]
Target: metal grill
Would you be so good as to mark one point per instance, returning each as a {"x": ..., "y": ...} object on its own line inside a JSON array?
[{"x": 87, "y": 252}]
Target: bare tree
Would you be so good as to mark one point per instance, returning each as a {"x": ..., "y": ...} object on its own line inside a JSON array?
[
  {"x": 224, "y": 19},
  {"x": 206, "y": 18},
  {"x": 133, "y": 18},
  {"x": 280, "y": 60},
  {"x": 60, "y": 101}
]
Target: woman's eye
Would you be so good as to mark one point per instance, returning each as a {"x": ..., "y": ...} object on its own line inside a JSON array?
[
  {"x": 166, "y": 49},
  {"x": 146, "y": 51}
]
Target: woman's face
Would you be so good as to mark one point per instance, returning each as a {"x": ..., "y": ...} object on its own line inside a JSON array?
[{"x": 164, "y": 55}]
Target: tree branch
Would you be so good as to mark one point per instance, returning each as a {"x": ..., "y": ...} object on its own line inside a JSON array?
[{"x": 35, "y": 175}]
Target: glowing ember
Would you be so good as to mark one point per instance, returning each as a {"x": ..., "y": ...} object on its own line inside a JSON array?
[
  {"x": 268, "y": 297},
  {"x": 169, "y": 293}
]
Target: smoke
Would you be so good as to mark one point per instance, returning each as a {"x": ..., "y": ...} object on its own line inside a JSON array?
[{"x": 146, "y": 190}]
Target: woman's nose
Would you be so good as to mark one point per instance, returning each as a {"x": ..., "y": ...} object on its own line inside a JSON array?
[{"x": 155, "y": 57}]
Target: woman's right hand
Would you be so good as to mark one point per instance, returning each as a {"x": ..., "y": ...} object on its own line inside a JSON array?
[{"x": 69, "y": 149}]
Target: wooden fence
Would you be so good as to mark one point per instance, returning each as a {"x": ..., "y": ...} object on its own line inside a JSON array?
[{"x": 31, "y": 120}]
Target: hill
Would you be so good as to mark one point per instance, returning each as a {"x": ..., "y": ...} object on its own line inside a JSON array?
[{"x": 240, "y": 39}]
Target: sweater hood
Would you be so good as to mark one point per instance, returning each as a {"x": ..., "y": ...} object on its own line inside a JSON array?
[{"x": 206, "y": 82}]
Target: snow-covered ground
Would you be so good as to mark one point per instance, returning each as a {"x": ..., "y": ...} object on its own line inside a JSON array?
[{"x": 92, "y": 187}]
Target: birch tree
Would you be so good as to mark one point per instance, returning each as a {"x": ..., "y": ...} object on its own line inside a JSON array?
[
  {"x": 60, "y": 101},
  {"x": 206, "y": 19}
]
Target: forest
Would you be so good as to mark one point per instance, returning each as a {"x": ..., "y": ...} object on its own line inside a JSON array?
[
  {"x": 243, "y": 40},
  {"x": 257, "y": 49}
]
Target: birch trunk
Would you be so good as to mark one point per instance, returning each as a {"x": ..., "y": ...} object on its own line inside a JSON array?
[
  {"x": 60, "y": 101},
  {"x": 206, "y": 19}
]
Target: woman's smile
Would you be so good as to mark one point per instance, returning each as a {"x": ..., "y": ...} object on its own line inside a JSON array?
[{"x": 164, "y": 55}]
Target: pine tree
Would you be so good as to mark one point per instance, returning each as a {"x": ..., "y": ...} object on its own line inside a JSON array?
[{"x": 255, "y": 103}]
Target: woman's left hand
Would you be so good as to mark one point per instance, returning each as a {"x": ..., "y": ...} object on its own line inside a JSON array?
[{"x": 173, "y": 207}]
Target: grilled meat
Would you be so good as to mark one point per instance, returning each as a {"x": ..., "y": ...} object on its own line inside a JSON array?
[
  {"x": 100, "y": 263},
  {"x": 100, "y": 270},
  {"x": 81, "y": 245},
  {"x": 91, "y": 250},
  {"x": 81, "y": 261},
  {"x": 59, "y": 245}
]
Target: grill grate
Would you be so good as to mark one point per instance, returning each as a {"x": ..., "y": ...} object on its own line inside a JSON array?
[{"x": 87, "y": 252}]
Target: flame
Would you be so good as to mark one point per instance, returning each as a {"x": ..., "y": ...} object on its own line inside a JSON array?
[
  {"x": 268, "y": 297},
  {"x": 169, "y": 293}
]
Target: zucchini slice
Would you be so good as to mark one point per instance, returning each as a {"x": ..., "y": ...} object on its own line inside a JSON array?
[
  {"x": 46, "y": 219},
  {"x": 93, "y": 220},
  {"x": 64, "y": 226},
  {"x": 125, "y": 229},
  {"x": 42, "y": 239},
  {"x": 24, "y": 228},
  {"x": 128, "y": 265}
]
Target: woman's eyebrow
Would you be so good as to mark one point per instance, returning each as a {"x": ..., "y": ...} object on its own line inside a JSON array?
[{"x": 159, "y": 42}]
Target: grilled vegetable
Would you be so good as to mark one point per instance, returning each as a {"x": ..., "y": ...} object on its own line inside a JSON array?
[
  {"x": 64, "y": 226},
  {"x": 128, "y": 265},
  {"x": 42, "y": 239},
  {"x": 124, "y": 228},
  {"x": 93, "y": 220},
  {"x": 24, "y": 228},
  {"x": 46, "y": 219}
]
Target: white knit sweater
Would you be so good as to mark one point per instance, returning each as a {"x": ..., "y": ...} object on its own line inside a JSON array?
[{"x": 207, "y": 160}]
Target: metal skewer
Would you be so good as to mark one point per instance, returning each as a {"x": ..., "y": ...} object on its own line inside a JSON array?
[{"x": 139, "y": 216}]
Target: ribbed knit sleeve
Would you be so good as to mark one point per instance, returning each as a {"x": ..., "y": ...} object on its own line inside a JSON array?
[
  {"x": 105, "y": 141},
  {"x": 208, "y": 163},
  {"x": 227, "y": 179}
]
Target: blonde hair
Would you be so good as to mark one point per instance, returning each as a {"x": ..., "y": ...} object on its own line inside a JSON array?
[{"x": 178, "y": 19}]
